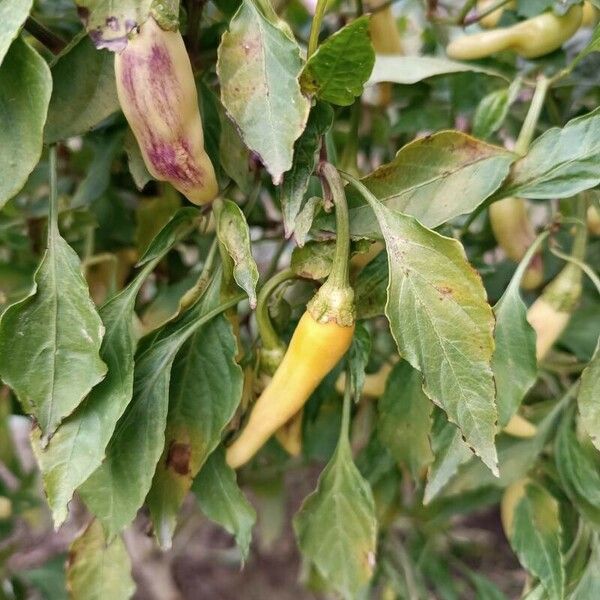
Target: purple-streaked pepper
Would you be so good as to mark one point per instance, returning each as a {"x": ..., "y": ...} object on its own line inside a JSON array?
[{"x": 157, "y": 92}]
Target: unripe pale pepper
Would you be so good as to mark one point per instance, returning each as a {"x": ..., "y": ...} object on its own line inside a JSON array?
[
  {"x": 531, "y": 38},
  {"x": 157, "y": 92},
  {"x": 490, "y": 21}
]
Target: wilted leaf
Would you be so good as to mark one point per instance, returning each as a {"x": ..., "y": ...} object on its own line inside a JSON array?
[
  {"x": 222, "y": 501},
  {"x": 84, "y": 91},
  {"x": 433, "y": 179},
  {"x": 339, "y": 68},
  {"x": 98, "y": 569},
  {"x": 442, "y": 323},
  {"x": 258, "y": 68},
  {"x": 205, "y": 390},
  {"x": 313, "y": 260},
  {"x": 25, "y": 86}
]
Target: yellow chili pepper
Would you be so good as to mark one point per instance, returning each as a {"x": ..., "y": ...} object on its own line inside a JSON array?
[
  {"x": 157, "y": 92},
  {"x": 531, "y": 38},
  {"x": 322, "y": 337},
  {"x": 490, "y": 21},
  {"x": 520, "y": 427},
  {"x": 593, "y": 220},
  {"x": 514, "y": 233},
  {"x": 510, "y": 500},
  {"x": 590, "y": 14}
]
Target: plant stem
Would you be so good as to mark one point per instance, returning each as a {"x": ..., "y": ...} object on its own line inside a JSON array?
[
  {"x": 464, "y": 11},
  {"x": 348, "y": 161},
  {"x": 533, "y": 115},
  {"x": 42, "y": 34},
  {"x": 53, "y": 232},
  {"x": 315, "y": 27},
  {"x": 339, "y": 275},
  {"x": 268, "y": 335},
  {"x": 485, "y": 12}
]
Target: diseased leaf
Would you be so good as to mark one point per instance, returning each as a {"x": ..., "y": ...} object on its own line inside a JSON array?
[
  {"x": 84, "y": 91},
  {"x": 305, "y": 219},
  {"x": 108, "y": 23},
  {"x": 77, "y": 448},
  {"x": 404, "y": 419},
  {"x": 358, "y": 358},
  {"x": 560, "y": 163},
  {"x": 336, "y": 528},
  {"x": 313, "y": 260},
  {"x": 50, "y": 340},
  {"x": 370, "y": 288},
  {"x": 407, "y": 70},
  {"x": 339, "y": 68},
  {"x": 536, "y": 539},
  {"x": 442, "y": 324},
  {"x": 514, "y": 362},
  {"x": 118, "y": 487},
  {"x": 234, "y": 234},
  {"x": 433, "y": 179},
  {"x": 25, "y": 87},
  {"x": 295, "y": 182},
  {"x": 222, "y": 501},
  {"x": 588, "y": 399},
  {"x": 13, "y": 14},
  {"x": 205, "y": 390},
  {"x": 258, "y": 68},
  {"x": 98, "y": 569}
]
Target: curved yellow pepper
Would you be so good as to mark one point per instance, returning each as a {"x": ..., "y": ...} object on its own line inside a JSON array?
[
  {"x": 531, "y": 38},
  {"x": 157, "y": 92},
  {"x": 315, "y": 348},
  {"x": 520, "y": 427},
  {"x": 510, "y": 500},
  {"x": 490, "y": 21},
  {"x": 593, "y": 220},
  {"x": 514, "y": 233}
]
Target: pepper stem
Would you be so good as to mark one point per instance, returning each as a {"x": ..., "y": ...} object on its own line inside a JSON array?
[
  {"x": 273, "y": 348},
  {"x": 335, "y": 299},
  {"x": 315, "y": 27},
  {"x": 533, "y": 115}
]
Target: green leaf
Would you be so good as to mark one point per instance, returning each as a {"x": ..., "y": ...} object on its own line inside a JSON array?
[
  {"x": 313, "y": 260},
  {"x": 514, "y": 362},
  {"x": 108, "y": 22},
  {"x": 404, "y": 419},
  {"x": 222, "y": 501},
  {"x": 13, "y": 14},
  {"x": 258, "y": 68},
  {"x": 450, "y": 453},
  {"x": 588, "y": 399},
  {"x": 536, "y": 539},
  {"x": 84, "y": 91},
  {"x": 484, "y": 588},
  {"x": 588, "y": 587},
  {"x": 358, "y": 358},
  {"x": 117, "y": 489},
  {"x": 235, "y": 158},
  {"x": 578, "y": 465},
  {"x": 560, "y": 163},
  {"x": 234, "y": 234},
  {"x": 98, "y": 569},
  {"x": 135, "y": 161},
  {"x": 25, "y": 86},
  {"x": 295, "y": 182},
  {"x": 50, "y": 340},
  {"x": 433, "y": 179},
  {"x": 336, "y": 526},
  {"x": 206, "y": 388},
  {"x": 339, "y": 68},
  {"x": 442, "y": 324},
  {"x": 305, "y": 218},
  {"x": 407, "y": 70},
  {"x": 492, "y": 110},
  {"x": 370, "y": 288},
  {"x": 77, "y": 448}
]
